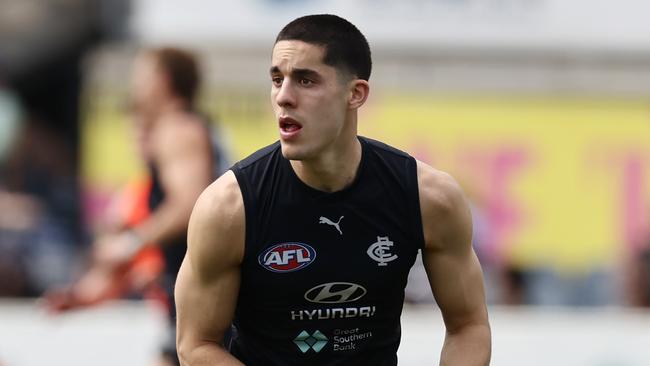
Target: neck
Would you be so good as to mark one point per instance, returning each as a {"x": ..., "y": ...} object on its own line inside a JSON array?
[
  {"x": 173, "y": 105},
  {"x": 167, "y": 111},
  {"x": 332, "y": 171}
]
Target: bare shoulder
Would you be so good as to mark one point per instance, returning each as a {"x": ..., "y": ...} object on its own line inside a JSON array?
[
  {"x": 216, "y": 230},
  {"x": 439, "y": 191},
  {"x": 181, "y": 129},
  {"x": 445, "y": 212}
]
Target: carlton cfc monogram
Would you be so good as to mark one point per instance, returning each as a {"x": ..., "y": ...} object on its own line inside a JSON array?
[{"x": 380, "y": 251}]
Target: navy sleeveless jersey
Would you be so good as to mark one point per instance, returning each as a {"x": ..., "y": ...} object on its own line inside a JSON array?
[{"x": 323, "y": 276}]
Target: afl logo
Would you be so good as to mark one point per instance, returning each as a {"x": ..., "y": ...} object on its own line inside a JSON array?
[{"x": 287, "y": 257}]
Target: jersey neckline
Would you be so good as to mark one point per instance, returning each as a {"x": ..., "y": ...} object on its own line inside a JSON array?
[{"x": 317, "y": 193}]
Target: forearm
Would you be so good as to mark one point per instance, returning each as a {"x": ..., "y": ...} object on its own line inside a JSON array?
[
  {"x": 467, "y": 346},
  {"x": 166, "y": 223},
  {"x": 206, "y": 354}
]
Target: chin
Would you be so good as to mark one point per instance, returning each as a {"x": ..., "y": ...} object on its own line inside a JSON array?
[{"x": 292, "y": 152}]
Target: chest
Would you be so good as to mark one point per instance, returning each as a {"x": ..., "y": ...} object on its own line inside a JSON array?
[{"x": 331, "y": 252}]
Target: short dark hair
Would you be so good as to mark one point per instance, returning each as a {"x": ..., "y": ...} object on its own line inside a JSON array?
[
  {"x": 182, "y": 68},
  {"x": 345, "y": 46}
]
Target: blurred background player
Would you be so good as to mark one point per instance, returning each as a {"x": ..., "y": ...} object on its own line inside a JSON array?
[{"x": 182, "y": 156}]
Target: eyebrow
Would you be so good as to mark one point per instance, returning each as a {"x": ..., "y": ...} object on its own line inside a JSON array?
[{"x": 297, "y": 73}]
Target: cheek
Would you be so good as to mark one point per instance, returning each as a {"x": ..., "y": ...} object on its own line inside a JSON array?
[
  {"x": 332, "y": 112},
  {"x": 329, "y": 122},
  {"x": 145, "y": 92},
  {"x": 273, "y": 103}
]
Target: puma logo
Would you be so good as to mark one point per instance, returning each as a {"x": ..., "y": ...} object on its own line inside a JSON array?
[{"x": 325, "y": 220}]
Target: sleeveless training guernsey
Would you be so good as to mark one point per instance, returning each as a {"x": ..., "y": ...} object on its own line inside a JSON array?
[{"x": 323, "y": 275}]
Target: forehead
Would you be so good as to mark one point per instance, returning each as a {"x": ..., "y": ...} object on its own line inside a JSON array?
[
  {"x": 145, "y": 67},
  {"x": 145, "y": 61},
  {"x": 297, "y": 54}
]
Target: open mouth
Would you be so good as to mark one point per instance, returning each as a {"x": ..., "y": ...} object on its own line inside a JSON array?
[{"x": 289, "y": 125}]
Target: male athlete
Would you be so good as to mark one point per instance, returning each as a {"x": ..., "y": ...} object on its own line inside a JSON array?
[
  {"x": 305, "y": 246},
  {"x": 183, "y": 158}
]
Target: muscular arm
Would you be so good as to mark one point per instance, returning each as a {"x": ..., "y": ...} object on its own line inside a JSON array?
[
  {"x": 183, "y": 158},
  {"x": 208, "y": 281},
  {"x": 454, "y": 271}
]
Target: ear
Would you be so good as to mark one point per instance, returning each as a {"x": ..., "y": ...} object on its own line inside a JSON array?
[{"x": 359, "y": 90}]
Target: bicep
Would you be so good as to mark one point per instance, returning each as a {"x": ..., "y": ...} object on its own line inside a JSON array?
[
  {"x": 185, "y": 164},
  {"x": 452, "y": 267},
  {"x": 205, "y": 308},
  {"x": 208, "y": 282},
  {"x": 457, "y": 284}
]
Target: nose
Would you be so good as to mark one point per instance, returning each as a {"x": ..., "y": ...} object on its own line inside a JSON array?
[{"x": 285, "y": 95}]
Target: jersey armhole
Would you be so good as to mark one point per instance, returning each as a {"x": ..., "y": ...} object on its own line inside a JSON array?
[
  {"x": 249, "y": 207},
  {"x": 418, "y": 228}
]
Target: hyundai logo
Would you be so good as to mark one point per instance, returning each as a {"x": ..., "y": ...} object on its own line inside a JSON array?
[{"x": 335, "y": 293}]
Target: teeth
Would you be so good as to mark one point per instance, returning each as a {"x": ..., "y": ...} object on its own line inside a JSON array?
[
  {"x": 288, "y": 124},
  {"x": 290, "y": 127}
]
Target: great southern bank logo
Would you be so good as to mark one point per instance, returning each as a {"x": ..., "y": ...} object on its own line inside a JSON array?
[
  {"x": 315, "y": 342},
  {"x": 287, "y": 257}
]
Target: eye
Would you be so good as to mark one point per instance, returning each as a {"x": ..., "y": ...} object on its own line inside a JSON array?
[
  {"x": 276, "y": 80},
  {"x": 306, "y": 82}
]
